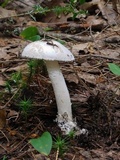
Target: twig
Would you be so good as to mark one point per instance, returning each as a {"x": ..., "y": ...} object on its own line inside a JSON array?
[
  {"x": 22, "y": 153},
  {"x": 5, "y": 136},
  {"x": 3, "y": 148},
  {"x": 100, "y": 56},
  {"x": 57, "y": 154},
  {"x": 49, "y": 34},
  {"x": 73, "y": 157},
  {"x": 21, "y": 142},
  {"x": 66, "y": 36},
  {"x": 16, "y": 60},
  {"x": 11, "y": 98}
]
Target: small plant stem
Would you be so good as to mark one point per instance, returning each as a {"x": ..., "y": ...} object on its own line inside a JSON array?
[
  {"x": 73, "y": 157},
  {"x": 57, "y": 154}
]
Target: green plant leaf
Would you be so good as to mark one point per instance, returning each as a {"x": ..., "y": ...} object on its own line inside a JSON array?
[
  {"x": 30, "y": 33},
  {"x": 82, "y": 1},
  {"x": 43, "y": 144},
  {"x": 115, "y": 69},
  {"x": 4, "y": 4},
  {"x": 34, "y": 38}
]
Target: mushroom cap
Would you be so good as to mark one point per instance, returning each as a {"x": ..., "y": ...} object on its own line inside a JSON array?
[{"x": 47, "y": 50}]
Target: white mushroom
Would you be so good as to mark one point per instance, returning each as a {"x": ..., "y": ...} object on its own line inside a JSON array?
[{"x": 52, "y": 52}]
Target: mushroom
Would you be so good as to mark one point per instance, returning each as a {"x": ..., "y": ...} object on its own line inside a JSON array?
[{"x": 52, "y": 52}]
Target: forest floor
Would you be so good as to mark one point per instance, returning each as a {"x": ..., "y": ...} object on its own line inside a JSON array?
[{"x": 94, "y": 89}]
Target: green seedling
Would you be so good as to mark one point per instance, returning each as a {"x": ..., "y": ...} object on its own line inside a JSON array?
[
  {"x": 40, "y": 9},
  {"x": 14, "y": 86},
  {"x": 70, "y": 7},
  {"x": 8, "y": 86},
  {"x": 37, "y": 9},
  {"x": 15, "y": 81},
  {"x": 25, "y": 106},
  {"x": 71, "y": 134},
  {"x": 82, "y": 1},
  {"x": 58, "y": 10},
  {"x": 4, "y": 4},
  {"x": 16, "y": 78},
  {"x": 4, "y": 158},
  {"x": 61, "y": 144},
  {"x": 33, "y": 67},
  {"x": 43, "y": 144}
]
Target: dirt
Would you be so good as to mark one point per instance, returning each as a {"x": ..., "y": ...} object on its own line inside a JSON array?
[{"x": 94, "y": 92}]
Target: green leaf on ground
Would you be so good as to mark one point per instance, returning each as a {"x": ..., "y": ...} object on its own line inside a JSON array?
[
  {"x": 115, "y": 69},
  {"x": 43, "y": 144}
]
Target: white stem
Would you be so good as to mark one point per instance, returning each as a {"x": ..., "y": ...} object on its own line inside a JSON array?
[{"x": 60, "y": 89}]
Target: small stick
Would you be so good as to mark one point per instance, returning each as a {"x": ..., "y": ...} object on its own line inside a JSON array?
[
  {"x": 66, "y": 36},
  {"x": 104, "y": 57},
  {"x": 57, "y": 154},
  {"x": 5, "y": 136}
]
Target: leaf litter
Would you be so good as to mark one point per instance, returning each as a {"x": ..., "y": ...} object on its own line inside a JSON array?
[{"x": 94, "y": 90}]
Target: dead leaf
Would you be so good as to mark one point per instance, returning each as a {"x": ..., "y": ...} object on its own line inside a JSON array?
[
  {"x": 95, "y": 23},
  {"x": 115, "y": 88},
  {"x": 80, "y": 97},
  {"x": 2, "y": 81},
  {"x": 90, "y": 78},
  {"x": 12, "y": 132},
  {"x": 108, "y": 11},
  {"x": 2, "y": 42},
  {"x": 21, "y": 67},
  {"x": 112, "y": 39},
  {"x": 40, "y": 157},
  {"x": 100, "y": 79},
  {"x": 4, "y": 13},
  {"x": 12, "y": 114},
  {"x": 72, "y": 78},
  {"x": 80, "y": 47},
  {"x": 3, "y": 54},
  {"x": 34, "y": 135},
  {"x": 111, "y": 53}
]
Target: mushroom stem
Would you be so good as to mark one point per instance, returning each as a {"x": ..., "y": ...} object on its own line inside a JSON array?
[{"x": 60, "y": 89}]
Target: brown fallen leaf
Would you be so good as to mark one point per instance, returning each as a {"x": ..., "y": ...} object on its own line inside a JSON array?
[
  {"x": 2, "y": 81},
  {"x": 80, "y": 97},
  {"x": 78, "y": 48},
  {"x": 34, "y": 135},
  {"x": 12, "y": 114},
  {"x": 87, "y": 77},
  {"x": 4, "y": 13},
  {"x": 95, "y": 23},
  {"x": 72, "y": 78},
  {"x": 12, "y": 132},
  {"x": 16, "y": 68},
  {"x": 100, "y": 79},
  {"x": 108, "y": 12}
]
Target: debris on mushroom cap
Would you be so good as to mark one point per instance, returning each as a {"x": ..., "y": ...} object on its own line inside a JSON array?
[{"x": 51, "y": 50}]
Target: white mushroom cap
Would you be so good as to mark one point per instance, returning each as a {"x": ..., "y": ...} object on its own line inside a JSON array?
[{"x": 51, "y": 50}]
